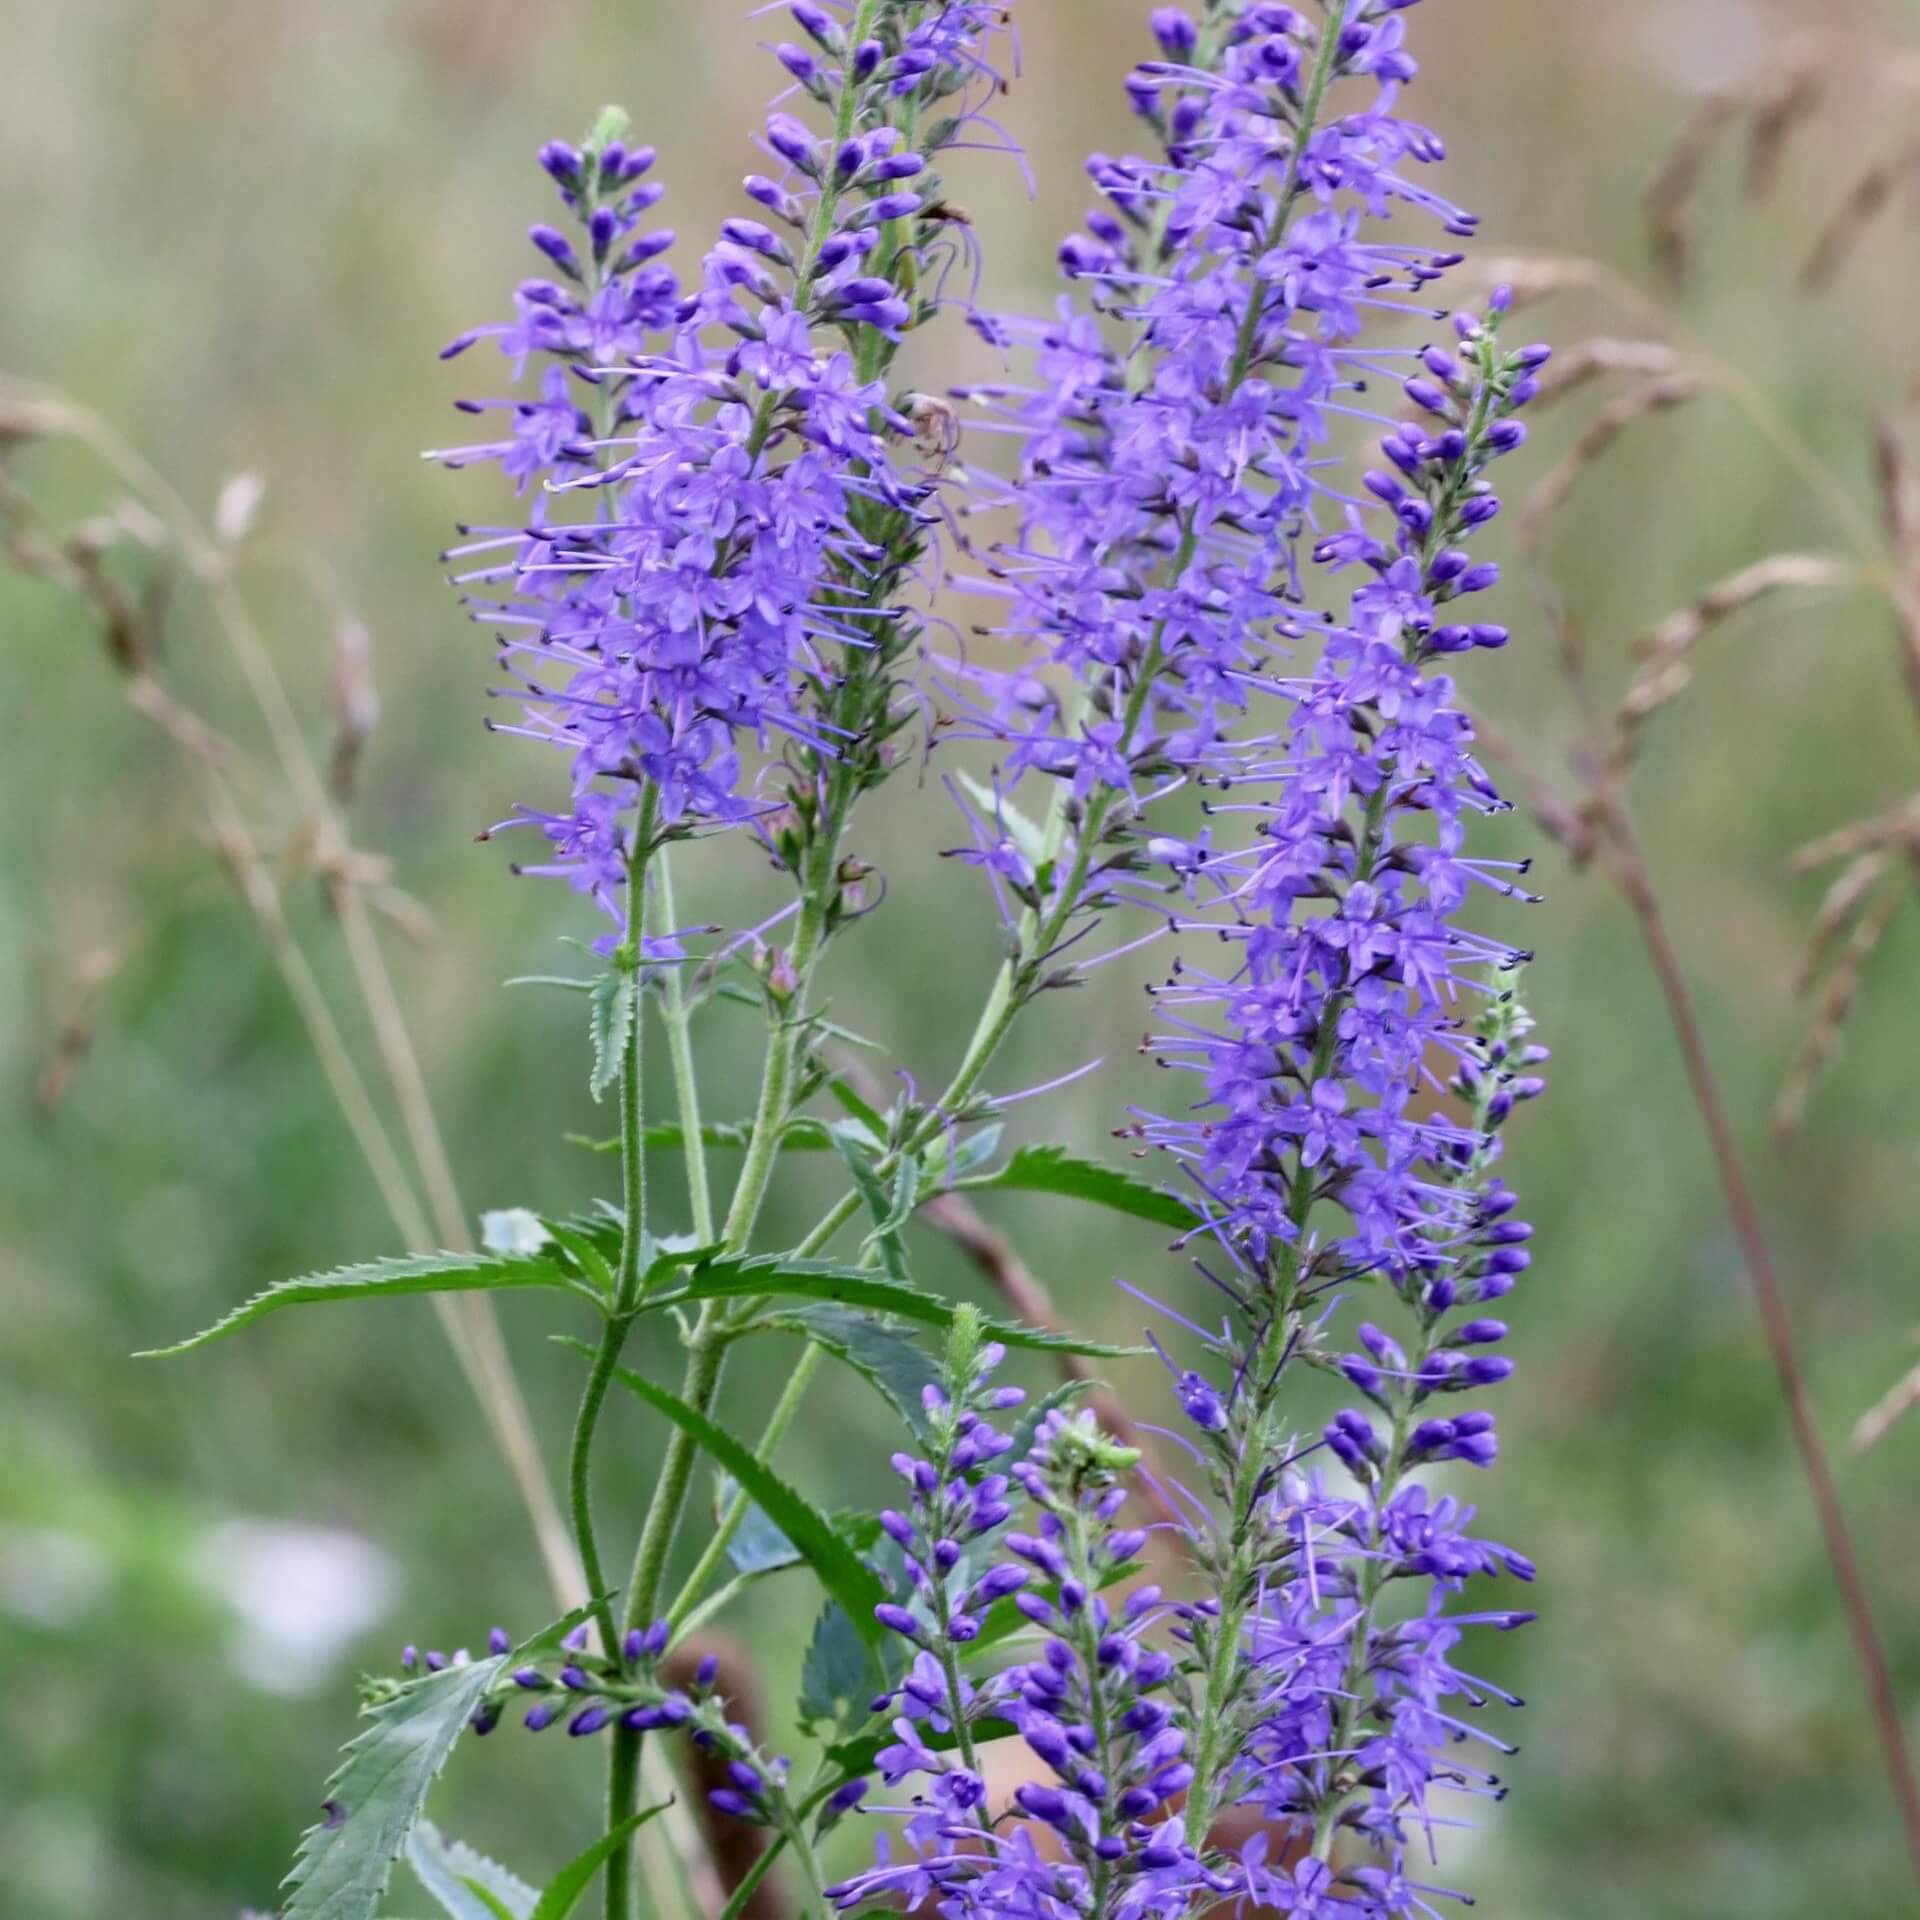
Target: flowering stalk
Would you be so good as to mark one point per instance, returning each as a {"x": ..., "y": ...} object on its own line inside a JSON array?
[{"x": 753, "y": 536}]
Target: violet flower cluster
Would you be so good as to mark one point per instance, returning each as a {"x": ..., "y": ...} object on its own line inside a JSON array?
[
  {"x": 726, "y": 595},
  {"x": 726, "y": 498},
  {"x": 1178, "y": 506}
]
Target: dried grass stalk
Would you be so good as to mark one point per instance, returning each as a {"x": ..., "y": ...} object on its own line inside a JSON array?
[
  {"x": 1842, "y": 901},
  {"x": 1836, "y": 1003},
  {"x": 1577, "y": 366},
  {"x": 1834, "y": 244},
  {"x": 1900, "y": 503},
  {"x": 1880, "y": 1419},
  {"x": 1652, "y": 396}
]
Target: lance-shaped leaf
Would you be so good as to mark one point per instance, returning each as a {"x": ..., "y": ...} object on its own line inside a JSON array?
[
  {"x": 1055, "y": 1170},
  {"x": 778, "y": 1276},
  {"x": 564, "y": 1890},
  {"x": 466, "y": 1883},
  {"x": 890, "y": 1210},
  {"x": 841, "y": 1571},
  {"x": 887, "y": 1357},
  {"x": 375, "y": 1797},
  {"x": 408, "y": 1274}
]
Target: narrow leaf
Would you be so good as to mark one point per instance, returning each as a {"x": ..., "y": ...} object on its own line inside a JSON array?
[
  {"x": 564, "y": 1890},
  {"x": 842, "y": 1572},
  {"x": 1055, "y": 1170},
  {"x": 856, "y": 1287},
  {"x": 612, "y": 1007},
  {"x": 862, "y": 1109},
  {"x": 466, "y": 1883},
  {"x": 409, "y": 1274},
  {"x": 378, "y": 1791},
  {"x": 880, "y": 1203}
]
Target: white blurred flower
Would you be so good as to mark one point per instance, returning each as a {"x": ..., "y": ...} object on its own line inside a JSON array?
[{"x": 301, "y": 1596}]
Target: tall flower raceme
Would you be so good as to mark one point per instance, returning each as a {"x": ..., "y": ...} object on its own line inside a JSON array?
[
  {"x": 1173, "y": 459},
  {"x": 1177, "y": 508},
  {"x": 727, "y": 503}
]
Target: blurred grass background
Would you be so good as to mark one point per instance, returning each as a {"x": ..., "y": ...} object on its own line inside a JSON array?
[{"x": 241, "y": 233}]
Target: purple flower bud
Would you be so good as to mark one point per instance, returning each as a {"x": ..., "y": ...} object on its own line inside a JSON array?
[
  {"x": 1480, "y": 1333},
  {"x": 562, "y": 161},
  {"x": 499, "y": 1640},
  {"x": 817, "y": 23},
  {"x": 555, "y": 245},
  {"x": 1176, "y": 32},
  {"x": 588, "y": 1720},
  {"x": 898, "y": 1620},
  {"x": 1044, "y": 1803}
]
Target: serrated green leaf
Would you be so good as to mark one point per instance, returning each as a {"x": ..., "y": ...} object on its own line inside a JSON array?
[
  {"x": 612, "y": 1008},
  {"x": 888, "y": 1357},
  {"x": 407, "y": 1274},
  {"x": 1025, "y": 834},
  {"x": 777, "y": 1275},
  {"x": 841, "y": 1571},
  {"x": 1054, "y": 1169},
  {"x": 467, "y": 1884},
  {"x": 377, "y": 1793},
  {"x": 564, "y": 1890},
  {"x": 843, "y": 1671},
  {"x": 586, "y": 1253}
]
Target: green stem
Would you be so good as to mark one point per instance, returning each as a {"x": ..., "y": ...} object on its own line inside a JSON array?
[
  {"x": 677, "y": 1017},
  {"x": 643, "y": 1591},
  {"x": 624, "y": 1766},
  {"x": 809, "y": 1866},
  {"x": 752, "y": 1878},
  {"x": 778, "y": 1423},
  {"x": 614, "y": 1334}
]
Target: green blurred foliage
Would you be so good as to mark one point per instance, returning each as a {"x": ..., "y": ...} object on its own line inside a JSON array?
[{"x": 241, "y": 232}]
